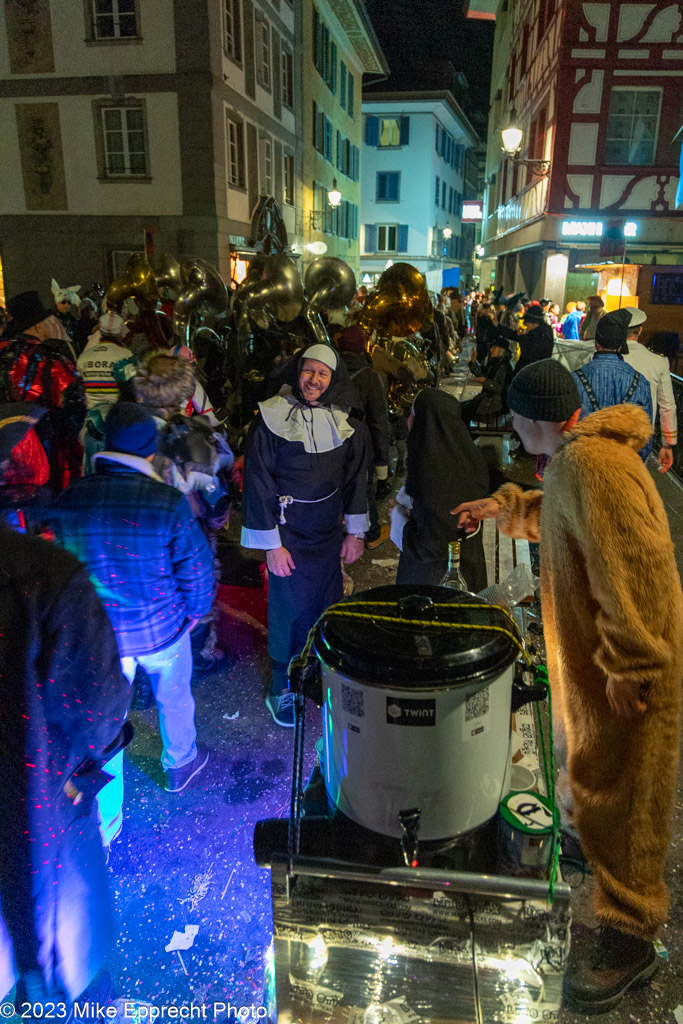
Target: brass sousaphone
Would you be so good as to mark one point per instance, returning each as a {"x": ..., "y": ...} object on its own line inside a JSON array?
[
  {"x": 137, "y": 282},
  {"x": 395, "y": 312}
]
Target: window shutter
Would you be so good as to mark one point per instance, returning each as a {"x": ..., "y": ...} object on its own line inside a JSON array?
[
  {"x": 342, "y": 85},
  {"x": 356, "y": 164},
  {"x": 349, "y": 94},
  {"x": 380, "y": 187},
  {"x": 333, "y": 76},
  {"x": 372, "y": 131},
  {"x": 438, "y": 128},
  {"x": 370, "y": 237},
  {"x": 316, "y": 127},
  {"x": 339, "y": 151},
  {"x": 405, "y": 131},
  {"x": 402, "y": 238}
]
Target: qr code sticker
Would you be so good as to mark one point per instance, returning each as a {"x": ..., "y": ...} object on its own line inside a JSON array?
[
  {"x": 477, "y": 705},
  {"x": 352, "y": 701}
]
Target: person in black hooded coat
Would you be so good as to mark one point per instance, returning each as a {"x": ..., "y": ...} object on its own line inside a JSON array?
[
  {"x": 443, "y": 463},
  {"x": 305, "y": 476}
]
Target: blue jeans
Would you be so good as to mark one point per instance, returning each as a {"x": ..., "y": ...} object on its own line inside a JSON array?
[{"x": 170, "y": 672}]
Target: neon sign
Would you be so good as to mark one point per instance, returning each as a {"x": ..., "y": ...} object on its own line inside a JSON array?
[{"x": 593, "y": 229}]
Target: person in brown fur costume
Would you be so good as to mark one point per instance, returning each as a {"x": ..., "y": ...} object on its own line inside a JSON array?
[{"x": 612, "y": 612}]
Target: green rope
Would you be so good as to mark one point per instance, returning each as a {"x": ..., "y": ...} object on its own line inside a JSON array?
[{"x": 541, "y": 676}]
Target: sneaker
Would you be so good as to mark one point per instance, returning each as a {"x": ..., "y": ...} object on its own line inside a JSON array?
[
  {"x": 281, "y": 707},
  {"x": 178, "y": 778},
  {"x": 599, "y": 983}
]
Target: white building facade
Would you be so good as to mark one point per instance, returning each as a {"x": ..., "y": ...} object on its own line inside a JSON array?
[
  {"x": 413, "y": 185},
  {"x": 142, "y": 125}
]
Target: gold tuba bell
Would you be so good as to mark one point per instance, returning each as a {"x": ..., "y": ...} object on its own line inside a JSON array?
[
  {"x": 395, "y": 312},
  {"x": 137, "y": 282}
]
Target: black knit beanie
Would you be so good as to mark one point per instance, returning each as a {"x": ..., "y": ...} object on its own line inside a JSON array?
[
  {"x": 544, "y": 391},
  {"x": 612, "y": 329}
]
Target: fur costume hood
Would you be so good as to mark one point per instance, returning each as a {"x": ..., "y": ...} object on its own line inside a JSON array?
[
  {"x": 626, "y": 424},
  {"x": 165, "y": 384}
]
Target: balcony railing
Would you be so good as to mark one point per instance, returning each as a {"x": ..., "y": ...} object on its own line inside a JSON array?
[{"x": 527, "y": 204}]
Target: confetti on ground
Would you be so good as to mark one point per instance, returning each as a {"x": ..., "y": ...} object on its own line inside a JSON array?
[
  {"x": 678, "y": 1014},
  {"x": 231, "y": 718},
  {"x": 660, "y": 949},
  {"x": 385, "y": 563},
  {"x": 228, "y": 882},
  {"x": 198, "y": 889},
  {"x": 183, "y": 940},
  {"x": 246, "y": 916}
]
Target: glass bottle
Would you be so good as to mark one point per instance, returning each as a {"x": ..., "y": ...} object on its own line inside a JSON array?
[{"x": 454, "y": 577}]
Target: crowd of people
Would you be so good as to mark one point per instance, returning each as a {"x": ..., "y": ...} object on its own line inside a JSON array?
[{"x": 111, "y": 449}]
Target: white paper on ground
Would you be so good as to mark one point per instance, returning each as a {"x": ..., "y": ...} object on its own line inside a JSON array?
[{"x": 183, "y": 940}]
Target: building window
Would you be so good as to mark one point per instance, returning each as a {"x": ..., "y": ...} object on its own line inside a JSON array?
[
  {"x": 387, "y": 238},
  {"x": 123, "y": 131},
  {"x": 632, "y": 126},
  {"x": 232, "y": 33},
  {"x": 234, "y": 131},
  {"x": 342, "y": 84},
  {"x": 443, "y": 195},
  {"x": 437, "y": 194},
  {"x": 389, "y": 132},
  {"x": 322, "y": 132},
  {"x": 263, "y": 52},
  {"x": 349, "y": 94},
  {"x": 266, "y": 183},
  {"x": 324, "y": 52},
  {"x": 114, "y": 19},
  {"x": 388, "y": 186},
  {"x": 288, "y": 168},
  {"x": 287, "y": 79}
]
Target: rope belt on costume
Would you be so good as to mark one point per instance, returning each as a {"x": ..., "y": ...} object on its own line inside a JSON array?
[{"x": 286, "y": 499}]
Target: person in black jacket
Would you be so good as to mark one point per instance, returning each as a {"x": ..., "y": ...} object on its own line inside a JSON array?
[
  {"x": 538, "y": 340},
  {"x": 494, "y": 377},
  {"x": 63, "y": 703},
  {"x": 352, "y": 343}
]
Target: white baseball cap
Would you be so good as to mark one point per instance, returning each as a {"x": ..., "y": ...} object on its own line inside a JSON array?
[{"x": 637, "y": 316}]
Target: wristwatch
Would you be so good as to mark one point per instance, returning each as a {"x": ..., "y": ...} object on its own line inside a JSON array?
[{"x": 358, "y": 536}]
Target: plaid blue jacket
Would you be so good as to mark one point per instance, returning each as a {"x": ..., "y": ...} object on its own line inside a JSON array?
[{"x": 148, "y": 558}]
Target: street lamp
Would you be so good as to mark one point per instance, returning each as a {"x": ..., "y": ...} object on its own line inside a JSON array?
[
  {"x": 334, "y": 198},
  {"x": 447, "y": 233},
  {"x": 512, "y": 143}
]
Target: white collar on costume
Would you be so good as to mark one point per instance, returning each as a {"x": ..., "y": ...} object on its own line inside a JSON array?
[{"x": 320, "y": 428}]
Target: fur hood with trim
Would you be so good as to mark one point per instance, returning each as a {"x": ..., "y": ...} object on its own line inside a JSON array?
[
  {"x": 627, "y": 424},
  {"x": 165, "y": 384}
]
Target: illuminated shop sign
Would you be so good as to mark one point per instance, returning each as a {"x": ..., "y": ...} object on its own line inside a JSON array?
[
  {"x": 593, "y": 229},
  {"x": 472, "y": 211}
]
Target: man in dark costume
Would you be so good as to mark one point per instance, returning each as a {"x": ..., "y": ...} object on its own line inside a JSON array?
[
  {"x": 305, "y": 473},
  {"x": 443, "y": 463},
  {"x": 538, "y": 341},
  {"x": 63, "y": 700}
]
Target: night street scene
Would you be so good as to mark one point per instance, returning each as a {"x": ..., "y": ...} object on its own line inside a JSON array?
[{"x": 341, "y": 511}]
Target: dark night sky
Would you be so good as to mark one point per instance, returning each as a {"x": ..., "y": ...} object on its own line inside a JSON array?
[{"x": 416, "y": 30}]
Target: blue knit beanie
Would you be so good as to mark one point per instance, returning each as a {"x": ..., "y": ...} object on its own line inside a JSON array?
[{"x": 130, "y": 428}]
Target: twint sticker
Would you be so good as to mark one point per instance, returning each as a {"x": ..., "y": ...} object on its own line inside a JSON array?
[{"x": 402, "y": 711}]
